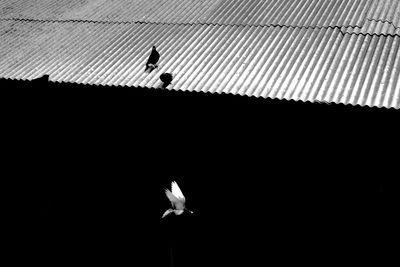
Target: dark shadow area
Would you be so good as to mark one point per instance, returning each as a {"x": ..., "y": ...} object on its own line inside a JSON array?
[{"x": 270, "y": 181}]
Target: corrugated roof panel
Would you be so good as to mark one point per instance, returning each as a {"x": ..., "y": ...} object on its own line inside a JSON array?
[
  {"x": 163, "y": 11},
  {"x": 383, "y": 18},
  {"x": 310, "y": 13},
  {"x": 290, "y": 63},
  {"x": 385, "y": 10},
  {"x": 39, "y": 9}
]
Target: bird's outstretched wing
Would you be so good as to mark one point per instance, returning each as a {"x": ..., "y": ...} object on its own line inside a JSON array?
[
  {"x": 171, "y": 197},
  {"x": 176, "y": 191}
]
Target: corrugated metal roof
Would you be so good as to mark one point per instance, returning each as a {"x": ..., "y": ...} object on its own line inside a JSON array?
[
  {"x": 310, "y": 13},
  {"x": 337, "y": 51},
  {"x": 278, "y": 62},
  {"x": 360, "y": 16}
]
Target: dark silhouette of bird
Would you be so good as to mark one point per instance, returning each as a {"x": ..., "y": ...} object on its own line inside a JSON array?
[
  {"x": 166, "y": 78},
  {"x": 152, "y": 61}
]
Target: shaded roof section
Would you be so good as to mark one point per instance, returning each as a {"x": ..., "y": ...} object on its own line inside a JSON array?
[
  {"x": 308, "y": 13},
  {"x": 285, "y": 63}
]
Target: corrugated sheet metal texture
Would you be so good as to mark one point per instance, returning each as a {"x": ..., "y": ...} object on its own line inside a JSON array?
[
  {"x": 309, "y": 13},
  {"x": 277, "y": 62},
  {"x": 383, "y": 18},
  {"x": 161, "y": 11}
]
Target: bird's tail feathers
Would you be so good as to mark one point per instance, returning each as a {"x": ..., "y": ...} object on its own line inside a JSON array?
[{"x": 150, "y": 67}]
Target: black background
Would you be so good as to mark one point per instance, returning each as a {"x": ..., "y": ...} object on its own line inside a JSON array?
[{"x": 270, "y": 181}]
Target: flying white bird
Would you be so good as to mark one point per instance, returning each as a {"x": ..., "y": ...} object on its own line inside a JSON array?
[{"x": 177, "y": 200}]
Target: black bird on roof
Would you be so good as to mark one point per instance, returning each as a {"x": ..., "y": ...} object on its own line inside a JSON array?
[
  {"x": 152, "y": 61},
  {"x": 166, "y": 78}
]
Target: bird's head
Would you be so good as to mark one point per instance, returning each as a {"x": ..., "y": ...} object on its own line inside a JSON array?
[{"x": 154, "y": 47}]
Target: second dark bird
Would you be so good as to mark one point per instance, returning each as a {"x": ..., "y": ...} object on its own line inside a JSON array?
[
  {"x": 166, "y": 78},
  {"x": 152, "y": 61}
]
